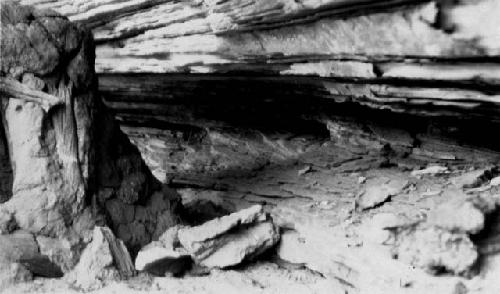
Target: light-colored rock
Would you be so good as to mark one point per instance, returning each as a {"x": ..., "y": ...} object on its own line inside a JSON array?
[
  {"x": 431, "y": 170},
  {"x": 291, "y": 248},
  {"x": 436, "y": 249},
  {"x": 192, "y": 238},
  {"x": 378, "y": 228},
  {"x": 361, "y": 180},
  {"x": 377, "y": 192},
  {"x": 18, "y": 246},
  {"x": 430, "y": 193},
  {"x": 475, "y": 178},
  {"x": 444, "y": 241},
  {"x": 468, "y": 179},
  {"x": 62, "y": 157},
  {"x": 105, "y": 259},
  {"x": 304, "y": 170},
  {"x": 12, "y": 273},
  {"x": 495, "y": 181},
  {"x": 43, "y": 197},
  {"x": 257, "y": 279},
  {"x": 335, "y": 261},
  {"x": 458, "y": 215},
  {"x": 229, "y": 240},
  {"x": 231, "y": 249},
  {"x": 7, "y": 221}
]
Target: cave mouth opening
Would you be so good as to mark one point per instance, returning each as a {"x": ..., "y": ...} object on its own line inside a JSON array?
[{"x": 189, "y": 126}]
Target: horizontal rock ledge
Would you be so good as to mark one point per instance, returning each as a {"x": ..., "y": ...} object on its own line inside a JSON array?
[{"x": 418, "y": 57}]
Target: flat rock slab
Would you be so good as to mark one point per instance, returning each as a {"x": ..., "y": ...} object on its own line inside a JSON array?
[
  {"x": 232, "y": 249},
  {"x": 431, "y": 170},
  {"x": 192, "y": 238},
  {"x": 229, "y": 240},
  {"x": 475, "y": 178}
]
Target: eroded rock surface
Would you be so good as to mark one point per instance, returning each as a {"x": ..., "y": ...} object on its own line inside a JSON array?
[
  {"x": 344, "y": 50},
  {"x": 444, "y": 240},
  {"x": 21, "y": 259},
  {"x": 72, "y": 167},
  {"x": 13, "y": 273},
  {"x": 298, "y": 105},
  {"x": 219, "y": 243},
  {"x": 167, "y": 67},
  {"x": 378, "y": 192},
  {"x": 105, "y": 259},
  {"x": 227, "y": 241}
]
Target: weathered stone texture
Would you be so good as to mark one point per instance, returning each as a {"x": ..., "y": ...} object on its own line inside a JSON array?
[
  {"x": 388, "y": 44},
  {"x": 72, "y": 168},
  {"x": 105, "y": 259},
  {"x": 227, "y": 241},
  {"x": 299, "y": 81},
  {"x": 444, "y": 241}
]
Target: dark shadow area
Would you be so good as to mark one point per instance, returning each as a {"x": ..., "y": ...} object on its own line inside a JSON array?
[
  {"x": 6, "y": 174},
  {"x": 295, "y": 105}
]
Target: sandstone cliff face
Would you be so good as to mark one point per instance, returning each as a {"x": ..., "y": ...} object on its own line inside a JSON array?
[
  {"x": 368, "y": 52},
  {"x": 71, "y": 166},
  {"x": 205, "y": 70}
]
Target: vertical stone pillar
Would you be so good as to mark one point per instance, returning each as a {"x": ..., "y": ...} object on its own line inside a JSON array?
[{"x": 72, "y": 167}]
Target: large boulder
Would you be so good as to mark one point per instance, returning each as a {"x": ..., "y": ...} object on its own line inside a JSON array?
[{"x": 219, "y": 243}]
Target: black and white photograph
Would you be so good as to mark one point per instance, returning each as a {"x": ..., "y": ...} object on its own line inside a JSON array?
[{"x": 250, "y": 147}]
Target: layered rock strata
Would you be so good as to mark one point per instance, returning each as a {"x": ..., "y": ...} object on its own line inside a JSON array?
[
  {"x": 401, "y": 55},
  {"x": 231, "y": 239},
  {"x": 190, "y": 79}
]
